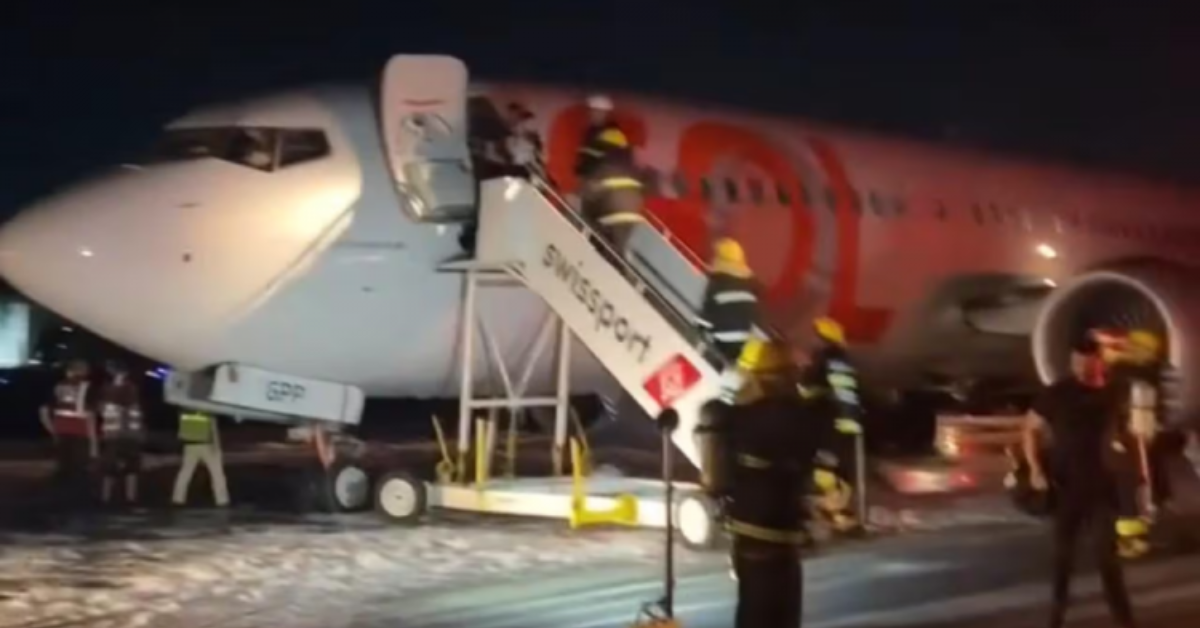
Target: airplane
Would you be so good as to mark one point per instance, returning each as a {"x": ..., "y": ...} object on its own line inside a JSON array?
[{"x": 272, "y": 233}]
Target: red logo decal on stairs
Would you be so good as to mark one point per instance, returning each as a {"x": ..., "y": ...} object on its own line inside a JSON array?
[{"x": 672, "y": 381}]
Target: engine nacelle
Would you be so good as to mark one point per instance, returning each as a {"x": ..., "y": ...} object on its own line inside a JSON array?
[{"x": 1134, "y": 294}]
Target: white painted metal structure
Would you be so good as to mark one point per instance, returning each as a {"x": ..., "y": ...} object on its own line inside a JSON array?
[{"x": 530, "y": 235}]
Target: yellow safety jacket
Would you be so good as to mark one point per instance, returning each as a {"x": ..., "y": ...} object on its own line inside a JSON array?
[{"x": 196, "y": 428}]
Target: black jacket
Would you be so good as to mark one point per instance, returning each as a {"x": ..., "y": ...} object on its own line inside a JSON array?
[
  {"x": 729, "y": 311},
  {"x": 831, "y": 381},
  {"x": 594, "y": 151},
  {"x": 772, "y": 451}
]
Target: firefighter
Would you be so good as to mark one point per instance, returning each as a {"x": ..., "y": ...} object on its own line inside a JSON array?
[
  {"x": 769, "y": 449},
  {"x": 122, "y": 433},
  {"x": 201, "y": 443},
  {"x": 71, "y": 423},
  {"x": 611, "y": 195},
  {"x": 1078, "y": 413},
  {"x": 1134, "y": 374},
  {"x": 730, "y": 305},
  {"x": 831, "y": 383}
]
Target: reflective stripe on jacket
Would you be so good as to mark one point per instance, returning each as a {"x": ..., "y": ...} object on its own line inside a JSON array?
[
  {"x": 120, "y": 411},
  {"x": 773, "y": 448},
  {"x": 728, "y": 312},
  {"x": 69, "y": 416}
]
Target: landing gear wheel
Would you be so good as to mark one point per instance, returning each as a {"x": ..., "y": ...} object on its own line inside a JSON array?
[
  {"x": 696, "y": 520},
  {"x": 351, "y": 488},
  {"x": 401, "y": 498},
  {"x": 344, "y": 487}
]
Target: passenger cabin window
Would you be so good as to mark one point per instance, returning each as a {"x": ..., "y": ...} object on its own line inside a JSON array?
[
  {"x": 785, "y": 199},
  {"x": 681, "y": 186},
  {"x": 756, "y": 191},
  {"x": 731, "y": 191},
  {"x": 297, "y": 146}
]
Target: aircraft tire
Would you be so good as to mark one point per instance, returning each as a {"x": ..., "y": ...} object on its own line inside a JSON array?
[
  {"x": 401, "y": 498},
  {"x": 697, "y": 522},
  {"x": 345, "y": 487}
]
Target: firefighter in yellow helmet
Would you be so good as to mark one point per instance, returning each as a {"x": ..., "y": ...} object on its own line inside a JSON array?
[
  {"x": 831, "y": 383},
  {"x": 766, "y": 447},
  {"x": 611, "y": 193},
  {"x": 1135, "y": 379},
  {"x": 730, "y": 306}
]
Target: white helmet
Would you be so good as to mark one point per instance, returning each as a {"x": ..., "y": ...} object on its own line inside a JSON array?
[{"x": 599, "y": 102}]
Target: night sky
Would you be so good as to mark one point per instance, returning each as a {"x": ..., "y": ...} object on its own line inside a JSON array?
[{"x": 85, "y": 83}]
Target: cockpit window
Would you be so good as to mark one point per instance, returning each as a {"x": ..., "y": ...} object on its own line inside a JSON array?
[
  {"x": 254, "y": 148},
  {"x": 264, "y": 149},
  {"x": 184, "y": 144},
  {"x": 298, "y": 146}
]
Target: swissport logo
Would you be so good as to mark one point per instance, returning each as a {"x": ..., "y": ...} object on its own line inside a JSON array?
[
  {"x": 606, "y": 316},
  {"x": 672, "y": 381}
]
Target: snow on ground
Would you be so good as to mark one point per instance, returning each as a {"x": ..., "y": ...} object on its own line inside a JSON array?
[
  {"x": 202, "y": 572},
  {"x": 247, "y": 570}
]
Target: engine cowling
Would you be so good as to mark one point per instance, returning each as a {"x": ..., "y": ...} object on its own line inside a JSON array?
[{"x": 1133, "y": 294}]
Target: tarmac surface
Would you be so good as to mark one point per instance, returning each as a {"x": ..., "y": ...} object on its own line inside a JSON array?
[{"x": 966, "y": 560}]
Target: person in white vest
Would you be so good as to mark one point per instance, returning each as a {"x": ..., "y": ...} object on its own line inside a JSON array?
[{"x": 201, "y": 443}]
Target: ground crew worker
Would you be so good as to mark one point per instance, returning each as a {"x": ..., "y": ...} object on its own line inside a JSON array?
[
  {"x": 831, "y": 382},
  {"x": 201, "y": 443},
  {"x": 730, "y": 306},
  {"x": 1134, "y": 374},
  {"x": 71, "y": 423},
  {"x": 1079, "y": 415},
  {"x": 770, "y": 450},
  {"x": 122, "y": 433},
  {"x": 611, "y": 194}
]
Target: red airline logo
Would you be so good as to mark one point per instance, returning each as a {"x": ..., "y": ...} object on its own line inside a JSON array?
[{"x": 672, "y": 381}]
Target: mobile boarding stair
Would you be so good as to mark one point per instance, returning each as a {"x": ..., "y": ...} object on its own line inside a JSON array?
[{"x": 635, "y": 322}]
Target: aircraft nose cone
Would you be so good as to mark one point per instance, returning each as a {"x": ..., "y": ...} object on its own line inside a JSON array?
[{"x": 43, "y": 257}]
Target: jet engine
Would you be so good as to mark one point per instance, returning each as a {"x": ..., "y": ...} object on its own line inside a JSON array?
[{"x": 1135, "y": 294}]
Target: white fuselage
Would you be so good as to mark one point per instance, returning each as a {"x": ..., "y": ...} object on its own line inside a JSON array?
[{"x": 315, "y": 269}]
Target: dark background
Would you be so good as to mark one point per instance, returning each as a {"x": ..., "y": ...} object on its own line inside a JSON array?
[{"x": 1103, "y": 84}]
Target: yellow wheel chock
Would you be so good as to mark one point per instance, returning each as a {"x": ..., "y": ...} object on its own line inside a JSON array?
[
  {"x": 445, "y": 469},
  {"x": 625, "y": 512}
]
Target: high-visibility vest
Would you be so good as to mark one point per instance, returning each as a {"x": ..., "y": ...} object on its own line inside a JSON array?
[
  {"x": 120, "y": 411},
  {"x": 69, "y": 417},
  {"x": 195, "y": 428}
]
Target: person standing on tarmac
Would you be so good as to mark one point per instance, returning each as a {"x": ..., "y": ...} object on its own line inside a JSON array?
[
  {"x": 1079, "y": 413},
  {"x": 730, "y": 306},
  {"x": 611, "y": 195},
  {"x": 122, "y": 433},
  {"x": 768, "y": 449},
  {"x": 831, "y": 383},
  {"x": 1135, "y": 375},
  {"x": 71, "y": 423},
  {"x": 201, "y": 443}
]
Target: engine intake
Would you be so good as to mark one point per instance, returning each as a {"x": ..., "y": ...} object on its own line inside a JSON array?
[{"x": 1136, "y": 294}]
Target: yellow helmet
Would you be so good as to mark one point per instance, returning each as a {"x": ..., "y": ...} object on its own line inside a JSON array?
[
  {"x": 728, "y": 251},
  {"x": 763, "y": 354},
  {"x": 830, "y": 330},
  {"x": 1144, "y": 345}
]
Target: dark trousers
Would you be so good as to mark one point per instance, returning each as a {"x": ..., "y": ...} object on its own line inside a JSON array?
[
  {"x": 1090, "y": 521},
  {"x": 770, "y": 583},
  {"x": 73, "y": 460}
]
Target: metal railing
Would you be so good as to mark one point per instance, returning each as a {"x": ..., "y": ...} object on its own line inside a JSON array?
[{"x": 682, "y": 321}]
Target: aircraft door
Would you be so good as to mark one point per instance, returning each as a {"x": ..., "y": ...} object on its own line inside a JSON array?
[{"x": 424, "y": 118}]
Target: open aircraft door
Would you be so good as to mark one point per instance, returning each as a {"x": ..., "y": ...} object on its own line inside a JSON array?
[{"x": 423, "y": 112}]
